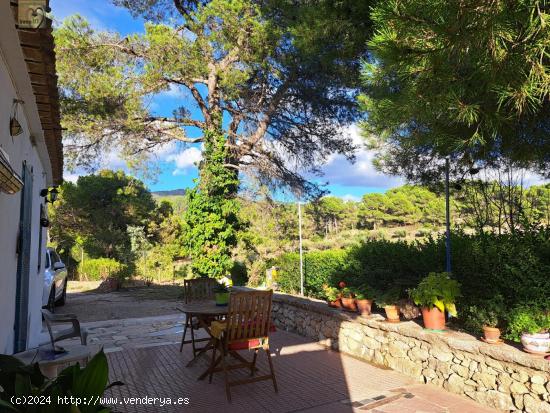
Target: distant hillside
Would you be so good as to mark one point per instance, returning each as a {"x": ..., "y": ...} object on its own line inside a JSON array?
[{"x": 172, "y": 192}]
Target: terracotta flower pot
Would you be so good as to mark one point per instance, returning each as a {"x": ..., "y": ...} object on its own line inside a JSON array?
[
  {"x": 335, "y": 304},
  {"x": 392, "y": 313},
  {"x": 433, "y": 319},
  {"x": 491, "y": 334},
  {"x": 349, "y": 304},
  {"x": 364, "y": 306},
  {"x": 538, "y": 343}
]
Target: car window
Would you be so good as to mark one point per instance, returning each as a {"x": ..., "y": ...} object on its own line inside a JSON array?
[
  {"x": 55, "y": 257},
  {"x": 48, "y": 261}
]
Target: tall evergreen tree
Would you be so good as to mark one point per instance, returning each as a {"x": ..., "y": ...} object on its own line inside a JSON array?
[{"x": 469, "y": 79}]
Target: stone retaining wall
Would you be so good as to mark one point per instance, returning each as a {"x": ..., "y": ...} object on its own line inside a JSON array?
[{"x": 500, "y": 376}]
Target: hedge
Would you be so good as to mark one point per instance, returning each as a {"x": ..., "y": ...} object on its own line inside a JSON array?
[
  {"x": 95, "y": 269},
  {"x": 517, "y": 266}
]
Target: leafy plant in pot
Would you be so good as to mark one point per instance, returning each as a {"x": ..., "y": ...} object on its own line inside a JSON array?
[
  {"x": 531, "y": 326},
  {"x": 434, "y": 294},
  {"x": 332, "y": 295},
  {"x": 18, "y": 380},
  {"x": 487, "y": 318},
  {"x": 348, "y": 299},
  {"x": 388, "y": 300},
  {"x": 363, "y": 299}
]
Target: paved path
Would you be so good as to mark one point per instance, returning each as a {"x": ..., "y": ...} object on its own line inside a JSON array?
[{"x": 144, "y": 354}]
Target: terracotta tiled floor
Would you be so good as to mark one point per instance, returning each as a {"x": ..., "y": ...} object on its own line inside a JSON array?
[{"x": 310, "y": 378}]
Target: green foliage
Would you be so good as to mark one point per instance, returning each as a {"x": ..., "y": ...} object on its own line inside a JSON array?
[
  {"x": 490, "y": 313},
  {"x": 98, "y": 209},
  {"x": 84, "y": 384},
  {"x": 363, "y": 292},
  {"x": 331, "y": 293},
  {"x": 321, "y": 267},
  {"x": 239, "y": 273},
  {"x": 255, "y": 65},
  {"x": 463, "y": 78},
  {"x": 527, "y": 319},
  {"x": 211, "y": 219},
  {"x": 96, "y": 269},
  {"x": 113, "y": 216},
  {"x": 400, "y": 233},
  {"x": 515, "y": 266},
  {"x": 439, "y": 290},
  {"x": 387, "y": 297}
]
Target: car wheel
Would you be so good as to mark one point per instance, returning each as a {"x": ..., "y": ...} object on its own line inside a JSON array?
[
  {"x": 61, "y": 300},
  {"x": 51, "y": 300}
]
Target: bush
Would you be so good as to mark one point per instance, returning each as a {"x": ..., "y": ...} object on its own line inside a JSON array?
[
  {"x": 96, "y": 269},
  {"x": 524, "y": 319},
  {"x": 322, "y": 267},
  {"x": 515, "y": 266},
  {"x": 239, "y": 274},
  {"x": 400, "y": 233}
]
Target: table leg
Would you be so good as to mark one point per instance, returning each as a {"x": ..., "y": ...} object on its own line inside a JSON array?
[{"x": 211, "y": 342}]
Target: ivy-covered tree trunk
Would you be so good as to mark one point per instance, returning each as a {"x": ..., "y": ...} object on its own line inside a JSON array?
[{"x": 211, "y": 221}]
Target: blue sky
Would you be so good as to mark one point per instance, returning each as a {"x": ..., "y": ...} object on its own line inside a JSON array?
[{"x": 176, "y": 162}]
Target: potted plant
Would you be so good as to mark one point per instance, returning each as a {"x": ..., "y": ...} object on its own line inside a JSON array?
[
  {"x": 487, "y": 319},
  {"x": 363, "y": 299},
  {"x": 532, "y": 326},
  {"x": 348, "y": 299},
  {"x": 434, "y": 294},
  {"x": 332, "y": 295},
  {"x": 388, "y": 300},
  {"x": 221, "y": 294}
]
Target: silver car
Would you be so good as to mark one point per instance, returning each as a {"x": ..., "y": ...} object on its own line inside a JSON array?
[{"x": 55, "y": 281}]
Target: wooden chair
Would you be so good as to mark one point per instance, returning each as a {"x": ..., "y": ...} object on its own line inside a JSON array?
[
  {"x": 246, "y": 327},
  {"x": 198, "y": 289}
]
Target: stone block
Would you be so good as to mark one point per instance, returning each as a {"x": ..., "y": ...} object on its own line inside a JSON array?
[
  {"x": 518, "y": 388},
  {"x": 441, "y": 354},
  {"x": 454, "y": 384},
  {"x": 461, "y": 371},
  {"x": 484, "y": 379}
]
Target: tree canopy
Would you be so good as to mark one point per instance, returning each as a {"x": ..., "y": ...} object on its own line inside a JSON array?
[
  {"x": 278, "y": 79},
  {"x": 468, "y": 79}
]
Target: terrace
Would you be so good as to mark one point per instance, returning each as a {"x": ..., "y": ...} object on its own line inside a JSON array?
[{"x": 144, "y": 354}]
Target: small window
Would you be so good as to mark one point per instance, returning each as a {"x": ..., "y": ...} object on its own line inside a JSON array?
[
  {"x": 55, "y": 257},
  {"x": 48, "y": 261}
]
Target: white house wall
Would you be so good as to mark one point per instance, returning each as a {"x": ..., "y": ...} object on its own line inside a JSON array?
[{"x": 13, "y": 77}]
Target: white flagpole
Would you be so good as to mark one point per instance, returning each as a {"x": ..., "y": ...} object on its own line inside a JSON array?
[{"x": 301, "y": 253}]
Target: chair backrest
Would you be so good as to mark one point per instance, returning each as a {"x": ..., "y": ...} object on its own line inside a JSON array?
[
  {"x": 248, "y": 315},
  {"x": 198, "y": 289}
]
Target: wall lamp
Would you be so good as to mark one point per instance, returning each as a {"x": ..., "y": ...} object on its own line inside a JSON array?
[
  {"x": 52, "y": 192},
  {"x": 15, "y": 126}
]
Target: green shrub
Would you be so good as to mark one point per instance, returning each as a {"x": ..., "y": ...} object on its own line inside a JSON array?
[
  {"x": 515, "y": 266},
  {"x": 400, "y": 233},
  {"x": 322, "y": 267},
  {"x": 239, "y": 274},
  {"x": 524, "y": 319},
  {"x": 96, "y": 269},
  {"x": 489, "y": 313}
]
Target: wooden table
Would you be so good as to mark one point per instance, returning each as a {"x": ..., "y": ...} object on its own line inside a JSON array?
[
  {"x": 49, "y": 363},
  {"x": 204, "y": 311}
]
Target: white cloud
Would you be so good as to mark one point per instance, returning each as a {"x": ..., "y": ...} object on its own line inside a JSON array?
[
  {"x": 338, "y": 170},
  {"x": 350, "y": 197},
  {"x": 189, "y": 158}
]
